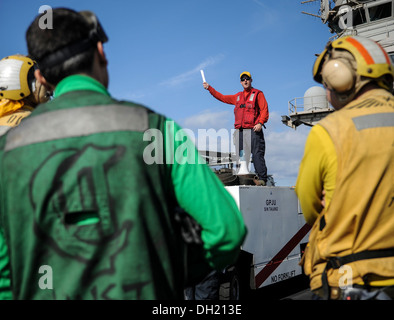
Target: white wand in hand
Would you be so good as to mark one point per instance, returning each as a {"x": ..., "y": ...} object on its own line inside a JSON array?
[{"x": 202, "y": 75}]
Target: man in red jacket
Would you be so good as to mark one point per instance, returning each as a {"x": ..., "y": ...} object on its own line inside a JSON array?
[{"x": 251, "y": 112}]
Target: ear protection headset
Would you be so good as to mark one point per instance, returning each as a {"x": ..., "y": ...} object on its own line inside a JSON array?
[{"x": 338, "y": 76}]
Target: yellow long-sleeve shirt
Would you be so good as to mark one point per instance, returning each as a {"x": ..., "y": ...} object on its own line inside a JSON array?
[{"x": 317, "y": 172}]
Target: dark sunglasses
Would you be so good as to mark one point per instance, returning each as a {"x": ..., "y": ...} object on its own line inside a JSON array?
[{"x": 245, "y": 78}]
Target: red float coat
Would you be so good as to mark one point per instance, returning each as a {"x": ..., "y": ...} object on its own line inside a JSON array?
[{"x": 250, "y": 108}]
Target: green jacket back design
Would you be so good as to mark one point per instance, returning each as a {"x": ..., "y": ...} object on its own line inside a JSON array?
[{"x": 84, "y": 216}]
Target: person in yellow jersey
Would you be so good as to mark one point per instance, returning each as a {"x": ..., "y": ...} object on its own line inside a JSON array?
[
  {"x": 349, "y": 161},
  {"x": 20, "y": 92}
]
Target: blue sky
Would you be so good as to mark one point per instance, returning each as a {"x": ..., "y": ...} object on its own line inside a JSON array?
[{"x": 156, "y": 49}]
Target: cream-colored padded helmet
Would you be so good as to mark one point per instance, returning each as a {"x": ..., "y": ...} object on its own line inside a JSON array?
[{"x": 16, "y": 77}]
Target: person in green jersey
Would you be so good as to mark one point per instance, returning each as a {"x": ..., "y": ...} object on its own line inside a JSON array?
[{"x": 93, "y": 188}]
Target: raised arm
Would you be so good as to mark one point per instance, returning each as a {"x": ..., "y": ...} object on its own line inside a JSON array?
[{"x": 229, "y": 99}]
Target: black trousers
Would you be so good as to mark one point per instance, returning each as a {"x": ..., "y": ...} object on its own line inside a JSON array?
[{"x": 252, "y": 142}]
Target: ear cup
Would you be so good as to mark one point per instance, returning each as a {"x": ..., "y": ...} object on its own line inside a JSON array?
[{"x": 338, "y": 76}]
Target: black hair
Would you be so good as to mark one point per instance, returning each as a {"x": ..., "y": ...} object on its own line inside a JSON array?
[{"x": 69, "y": 27}]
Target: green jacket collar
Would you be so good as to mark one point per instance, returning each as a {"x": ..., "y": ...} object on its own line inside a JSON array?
[{"x": 79, "y": 82}]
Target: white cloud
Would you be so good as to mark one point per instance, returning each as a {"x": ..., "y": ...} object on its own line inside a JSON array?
[
  {"x": 188, "y": 75},
  {"x": 265, "y": 17},
  {"x": 260, "y": 4},
  {"x": 211, "y": 130},
  {"x": 284, "y": 151},
  {"x": 209, "y": 119}
]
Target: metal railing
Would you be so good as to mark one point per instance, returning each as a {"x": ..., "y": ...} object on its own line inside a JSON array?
[{"x": 309, "y": 104}]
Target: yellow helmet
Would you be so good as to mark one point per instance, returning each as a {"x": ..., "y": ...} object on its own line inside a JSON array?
[
  {"x": 368, "y": 62},
  {"x": 16, "y": 77}
]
